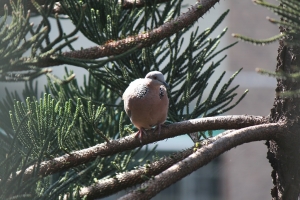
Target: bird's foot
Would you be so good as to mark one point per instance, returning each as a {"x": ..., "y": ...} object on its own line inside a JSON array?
[
  {"x": 158, "y": 127},
  {"x": 140, "y": 134}
]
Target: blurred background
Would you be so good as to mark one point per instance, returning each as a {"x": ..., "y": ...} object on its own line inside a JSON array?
[{"x": 243, "y": 172}]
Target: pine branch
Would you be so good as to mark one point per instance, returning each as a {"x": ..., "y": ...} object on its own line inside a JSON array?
[
  {"x": 110, "y": 186},
  {"x": 58, "y": 8},
  {"x": 203, "y": 156},
  {"x": 126, "y": 4},
  {"x": 129, "y": 4},
  {"x": 13, "y": 43},
  {"x": 130, "y": 142},
  {"x": 141, "y": 40},
  {"x": 289, "y": 14},
  {"x": 259, "y": 42},
  {"x": 27, "y": 76}
]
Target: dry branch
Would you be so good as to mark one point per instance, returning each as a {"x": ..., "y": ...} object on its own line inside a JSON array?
[
  {"x": 128, "y": 179},
  {"x": 203, "y": 156},
  {"x": 130, "y": 142},
  {"x": 141, "y": 40}
]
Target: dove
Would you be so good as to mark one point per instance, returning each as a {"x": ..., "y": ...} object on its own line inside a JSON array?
[{"x": 146, "y": 102}]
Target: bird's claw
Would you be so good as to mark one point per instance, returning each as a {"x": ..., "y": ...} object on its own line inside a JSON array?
[
  {"x": 158, "y": 127},
  {"x": 140, "y": 134}
]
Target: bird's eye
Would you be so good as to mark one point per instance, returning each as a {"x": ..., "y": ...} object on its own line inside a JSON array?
[{"x": 155, "y": 77}]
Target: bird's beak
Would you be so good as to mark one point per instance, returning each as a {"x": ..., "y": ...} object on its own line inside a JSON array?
[{"x": 166, "y": 84}]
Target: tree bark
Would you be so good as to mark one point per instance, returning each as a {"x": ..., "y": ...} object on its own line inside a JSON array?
[
  {"x": 82, "y": 156},
  {"x": 203, "y": 156},
  {"x": 283, "y": 153}
]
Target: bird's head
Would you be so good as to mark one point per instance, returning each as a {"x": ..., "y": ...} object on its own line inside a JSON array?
[{"x": 157, "y": 77}]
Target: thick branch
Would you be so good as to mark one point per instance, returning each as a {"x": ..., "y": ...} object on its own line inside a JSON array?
[
  {"x": 141, "y": 40},
  {"x": 128, "y": 179},
  {"x": 203, "y": 156},
  {"x": 130, "y": 142}
]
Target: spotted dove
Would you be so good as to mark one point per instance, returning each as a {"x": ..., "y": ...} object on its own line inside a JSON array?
[{"x": 146, "y": 102}]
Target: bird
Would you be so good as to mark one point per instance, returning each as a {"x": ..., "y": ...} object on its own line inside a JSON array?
[{"x": 146, "y": 102}]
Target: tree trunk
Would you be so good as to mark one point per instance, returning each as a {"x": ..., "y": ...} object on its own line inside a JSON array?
[{"x": 284, "y": 152}]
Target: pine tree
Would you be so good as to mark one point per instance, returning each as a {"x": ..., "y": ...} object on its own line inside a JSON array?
[{"x": 75, "y": 141}]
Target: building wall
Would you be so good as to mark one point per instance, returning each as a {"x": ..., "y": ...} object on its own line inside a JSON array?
[{"x": 245, "y": 169}]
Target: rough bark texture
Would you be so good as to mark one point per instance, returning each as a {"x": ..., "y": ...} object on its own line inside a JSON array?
[
  {"x": 121, "y": 181},
  {"x": 202, "y": 156},
  {"x": 283, "y": 154},
  {"x": 130, "y": 142}
]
